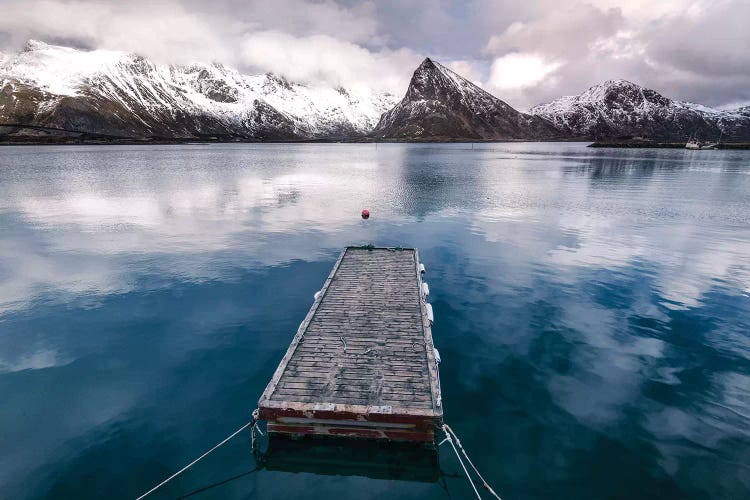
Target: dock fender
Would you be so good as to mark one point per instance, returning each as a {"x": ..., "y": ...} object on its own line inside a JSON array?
[{"x": 430, "y": 315}]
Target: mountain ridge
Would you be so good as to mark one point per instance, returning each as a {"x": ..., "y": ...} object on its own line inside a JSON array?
[
  {"x": 620, "y": 108},
  {"x": 120, "y": 94}
]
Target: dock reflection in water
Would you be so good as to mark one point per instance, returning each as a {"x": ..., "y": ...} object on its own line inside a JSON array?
[
  {"x": 326, "y": 456},
  {"x": 353, "y": 457}
]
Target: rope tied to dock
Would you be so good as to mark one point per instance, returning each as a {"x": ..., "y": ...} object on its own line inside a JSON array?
[
  {"x": 450, "y": 435},
  {"x": 253, "y": 423}
]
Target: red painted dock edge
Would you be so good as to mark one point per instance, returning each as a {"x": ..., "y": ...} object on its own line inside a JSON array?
[{"x": 405, "y": 405}]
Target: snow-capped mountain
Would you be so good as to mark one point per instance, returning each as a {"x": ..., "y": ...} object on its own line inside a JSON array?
[
  {"x": 123, "y": 94},
  {"x": 440, "y": 104},
  {"x": 618, "y": 108}
]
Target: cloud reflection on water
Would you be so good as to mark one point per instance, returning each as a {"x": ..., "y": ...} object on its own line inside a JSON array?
[{"x": 582, "y": 264}]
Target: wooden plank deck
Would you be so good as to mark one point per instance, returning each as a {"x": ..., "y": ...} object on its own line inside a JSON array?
[{"x": 362, "y": 363}]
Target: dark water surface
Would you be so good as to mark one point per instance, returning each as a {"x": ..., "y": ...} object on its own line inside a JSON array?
[{"x": 592, "y": 312}]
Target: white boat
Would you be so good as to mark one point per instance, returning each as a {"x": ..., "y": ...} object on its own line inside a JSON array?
[
  {"x": 694, "y": 143},
  {"x": 713, "y": 145}
]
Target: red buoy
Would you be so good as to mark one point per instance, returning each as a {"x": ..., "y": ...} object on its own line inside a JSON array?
[{"x": 365, "y": 214}]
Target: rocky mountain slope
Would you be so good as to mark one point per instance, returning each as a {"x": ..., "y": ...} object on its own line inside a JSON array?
[
  {"x": 441, "y": 105},
  {"x": 122, "y": 94},
  {"x": 618, "y": 108}
]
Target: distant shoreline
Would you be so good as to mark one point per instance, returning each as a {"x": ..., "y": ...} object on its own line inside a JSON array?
[
  {"x": 57, "y": 141},
  {"x": 159, "y": 142},
  {"x": 50, "y": 136},
  {"x": 71, "y": 138},
  {"x": 661, "y": 145}
]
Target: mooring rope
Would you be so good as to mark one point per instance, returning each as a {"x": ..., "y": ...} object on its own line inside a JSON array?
[
  {"x": 448, "y": 431},
  {"x": 448, "y": 438},
  {"x": 252, "y": 431},
  {"x": 485, "y": 483},
  {"x": 253, "y": 422}
]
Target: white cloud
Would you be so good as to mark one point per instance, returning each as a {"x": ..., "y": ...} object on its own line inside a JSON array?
[
  {"x": 562, "y": 32},
  {"x": 195, "y": 216},
  {"x": 169, "y": 33},
  {"x": 354, "y": 23},
  {"x": 648, "y": 10},
  {"x": 37, "y": 360},
  {"x": 517, "y": 71},
  {"x": 324, "y": 58},
  {"x": 305, "y": 41}
]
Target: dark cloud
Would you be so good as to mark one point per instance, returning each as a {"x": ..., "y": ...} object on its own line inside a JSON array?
[
  {"x": 564, "y": 33},
  {"x": 714, "y": 41},
  {"x": 704, "y": 54}
]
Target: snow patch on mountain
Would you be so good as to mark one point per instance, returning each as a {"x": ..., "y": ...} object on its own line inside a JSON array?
[
  {"x": 58, "y": 70},
  {"x": 243, "y": 103},
  {"x": 699, "y": 107}
]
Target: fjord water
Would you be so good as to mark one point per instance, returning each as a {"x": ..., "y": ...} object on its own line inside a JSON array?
[{"x": 592, "y": 312}]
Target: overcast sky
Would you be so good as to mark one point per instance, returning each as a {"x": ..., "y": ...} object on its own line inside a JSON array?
[{"x": 523, "y": 52}]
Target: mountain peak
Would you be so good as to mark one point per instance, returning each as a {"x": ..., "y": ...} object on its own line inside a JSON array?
[
  {"x": 426, "y": 67},
  {"x": 601, "y": 91},
  {"x": 441, "y": 104},
  {"x": 618, "y": 82},
  {"x": 431, "y": 79},
  {"x": 620, "y": 91}
]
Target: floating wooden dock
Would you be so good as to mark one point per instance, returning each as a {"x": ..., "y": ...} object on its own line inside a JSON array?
[{"x": 362, "y": 363}]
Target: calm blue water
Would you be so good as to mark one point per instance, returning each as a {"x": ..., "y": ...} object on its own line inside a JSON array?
[{"x": 592, "y": 312}]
